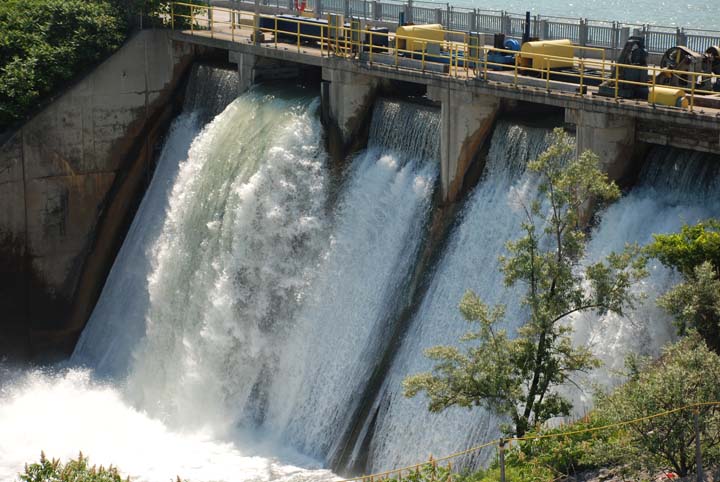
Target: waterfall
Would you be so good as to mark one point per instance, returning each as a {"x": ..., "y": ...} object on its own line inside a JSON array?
[
  {"x": 243, "y": 231},
  {"x": 196, "y": 306},
  {"x": 405, "y": 432},
  {"x": 117, "y": 322},
  {"x": 345, "y": 322},
  {"x": 249, "y": 324},
  {"x": 675, "y": 187},
  {"x": 244, "y": 283}
]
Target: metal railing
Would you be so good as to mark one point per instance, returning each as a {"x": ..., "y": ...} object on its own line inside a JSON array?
[
  {"x": 453, "y": 56},
  {"x": 606, "y": 34}
]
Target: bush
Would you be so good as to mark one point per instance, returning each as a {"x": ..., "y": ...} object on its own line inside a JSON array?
[
  {"x": 687, "y": 372},
  {"x": 689, "y": 248},
  {"x": 570, "y": 449},
  {"x": 76, "y": 470},
  {"x": 695, "y": 302},
  {"x": 46, "y": 42}
]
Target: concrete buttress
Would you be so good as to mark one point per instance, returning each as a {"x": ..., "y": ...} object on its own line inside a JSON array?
[
  {"x": 348, "y": 101},
  {"x": 611, "y": 137},
  {"x": 246, "y": 69},
  {"x": 466, "y": 121}
]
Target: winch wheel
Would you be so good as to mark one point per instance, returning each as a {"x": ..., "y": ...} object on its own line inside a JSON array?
[{"x": 676, "y": 58}]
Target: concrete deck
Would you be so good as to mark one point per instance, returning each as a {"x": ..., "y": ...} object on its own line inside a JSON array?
[{"x": 501, "y": 84}]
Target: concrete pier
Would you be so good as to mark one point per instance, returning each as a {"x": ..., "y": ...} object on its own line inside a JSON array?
[
  {"x": 611, "y": 137},
  {"x": 466, "y": 120},
  {"x": 246, "y": 69},
  {"x": 348, "y": 99}
]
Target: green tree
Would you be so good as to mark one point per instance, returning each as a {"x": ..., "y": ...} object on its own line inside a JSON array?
[
  {"x": 695, "y": 302},
  {"x": 76, "y": 470},
  {"x": 46, "y": 42},
  {"x": 687, "y": 372},
  {"x": 515, "y": 376}
]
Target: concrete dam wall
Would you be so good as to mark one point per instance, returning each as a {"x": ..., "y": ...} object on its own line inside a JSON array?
[{"x": 69, "y": 179}]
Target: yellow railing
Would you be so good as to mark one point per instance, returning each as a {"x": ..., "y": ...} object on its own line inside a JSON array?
[
  {"x": 590, "y": 67},
  {"x": 503, "y": 444}
]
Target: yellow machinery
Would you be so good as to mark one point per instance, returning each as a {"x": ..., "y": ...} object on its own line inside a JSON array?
[
  {"x": 415, "y": 37},
  {"x": 668, "y": 96},
  {"x": 555, "y": 48}
]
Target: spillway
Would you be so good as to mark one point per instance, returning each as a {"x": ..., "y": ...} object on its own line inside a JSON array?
[
  {"x": 264, "y": 308},
  {"x": 404, "y": 432},
  {"x": 117, "y": 323},
  {"x": 674, "y": 187},
  {"x": 346, "y": 321}
]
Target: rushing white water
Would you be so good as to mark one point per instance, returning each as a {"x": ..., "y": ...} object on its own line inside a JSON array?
[
  {"x": 234, "y": 288},
  {"x": 344, "y": 325},
  {"x": 103, "y": 345},
  {"x": 205, "y": 287},
  {"x": 230, "y": 267},
  {"x": 405, "y": 432},
  {"x": 68, "y": 413},
  {"x": 675, "y": 187}
]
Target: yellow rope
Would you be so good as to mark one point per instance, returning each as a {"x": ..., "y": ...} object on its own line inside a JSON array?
[{"x": 382, "y": 475}]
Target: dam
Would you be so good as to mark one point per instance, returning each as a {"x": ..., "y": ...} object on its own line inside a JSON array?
[
  {"x": 272, "y": 289},
  {"x": 451, "y": 68}
]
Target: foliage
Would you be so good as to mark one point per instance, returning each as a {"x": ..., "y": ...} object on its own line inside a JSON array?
[
  {"x": 515, "y": 376},
  {"x": 46, "y": 42},
  {"x": 695, "y": 302},
  {"x": 513, "y": 473},
  {"x": 182, "y": 12},
  {"x": 76, "y": 470},
  {"x": 569, "y": 449},
  {"x": 687, "y": 372},
  {"x": 689, "y": 248}
]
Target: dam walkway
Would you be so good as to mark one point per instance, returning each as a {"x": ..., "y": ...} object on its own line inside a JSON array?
[{"x": 458, "y": 70}]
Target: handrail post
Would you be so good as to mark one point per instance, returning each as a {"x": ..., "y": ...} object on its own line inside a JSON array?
[
  {"x": 232, "y": 25},
  {"x": 547, "y": 74},
  {"x": 371, "y": 47},
  {"x": 501, "y": 452},
  {"x": 692, "y": 91},
  {"x": 516, "y": 71},
  {"x": 698, "y": 452},
  {"x": 172, "y": 15},
  {"x": 298, "y": 35},
  {"x": 396, "y": 51},
  {"x": 192, "y": 20},
  {"x": 423, "y": 55},
  {"x": 466, "y": 56},
  {"x": 652, "y": 95},
  {"x": 275, "y": 35},
  {"x": 212, "y": 24},
  {"x": 617, "y": 80},
  {"x": 582, "y": 76},
  {"x": 486, "y": 64},
  {"x": 453, "y": 57}
]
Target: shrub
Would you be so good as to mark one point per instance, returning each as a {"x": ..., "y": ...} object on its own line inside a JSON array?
[
  {"x": 46, "y": 42},
  {"x": 687, "y": 372},
  {"x": 695, "y": 302},
  {"x": 76, "y": 470}
]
